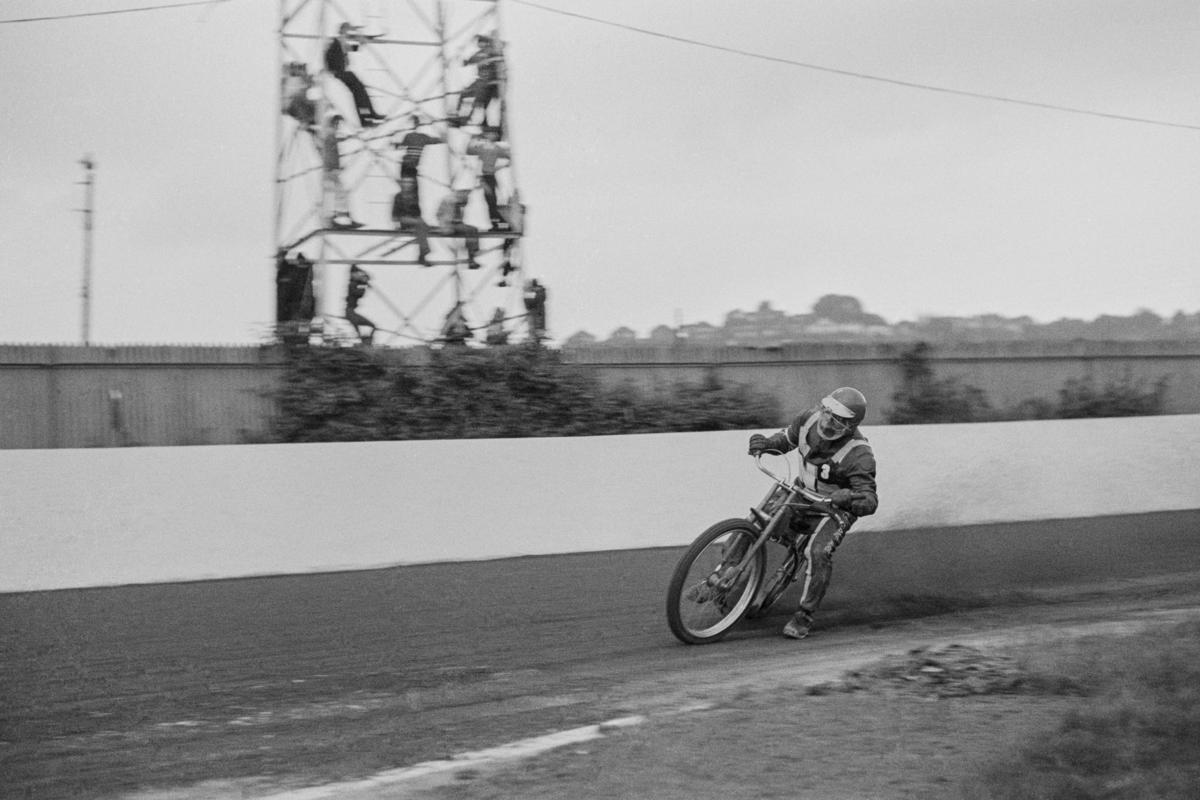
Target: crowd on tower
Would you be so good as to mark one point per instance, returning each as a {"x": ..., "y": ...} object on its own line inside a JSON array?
[{"x": 346, "y": 120}]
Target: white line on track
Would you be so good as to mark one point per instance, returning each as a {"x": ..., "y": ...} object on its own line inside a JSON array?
[{"x": 523, "y": 748}]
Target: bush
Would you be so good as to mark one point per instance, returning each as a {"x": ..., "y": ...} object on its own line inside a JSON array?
[
  {"x": 1124, "y": 398},
  {"x": 330, "y": 395},
  {"x": 1031, "y": 408},
  {"x": 354, "y": 394},
  {"x": 924, "y": 398}
]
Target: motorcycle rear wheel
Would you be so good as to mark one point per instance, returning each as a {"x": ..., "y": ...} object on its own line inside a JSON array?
[{"x": 696, "y": 613}]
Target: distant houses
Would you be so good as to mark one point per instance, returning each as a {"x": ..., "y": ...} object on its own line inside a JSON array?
[{"x": 842, "y": 319}]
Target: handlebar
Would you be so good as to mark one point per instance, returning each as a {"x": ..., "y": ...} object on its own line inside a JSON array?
[{"x": 815, "y": 498}]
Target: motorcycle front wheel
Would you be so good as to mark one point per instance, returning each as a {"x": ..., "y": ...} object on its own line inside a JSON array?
[{"x": 699, "y": 611}]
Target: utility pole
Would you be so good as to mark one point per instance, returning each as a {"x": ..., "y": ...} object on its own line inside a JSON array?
[{"x": 89, "y": 166}]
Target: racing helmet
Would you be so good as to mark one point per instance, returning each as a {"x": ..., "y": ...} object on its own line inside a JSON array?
[{"x": 841, "y": 411}]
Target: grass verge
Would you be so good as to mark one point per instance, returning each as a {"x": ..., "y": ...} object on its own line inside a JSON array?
[{"x": 1138, "y": 736}]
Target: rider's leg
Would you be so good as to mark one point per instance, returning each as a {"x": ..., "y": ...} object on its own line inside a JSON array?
[{"x": 818, "y": 570}]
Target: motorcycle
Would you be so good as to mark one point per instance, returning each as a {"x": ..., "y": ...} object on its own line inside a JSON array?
[{"x": 722, "y": 578}]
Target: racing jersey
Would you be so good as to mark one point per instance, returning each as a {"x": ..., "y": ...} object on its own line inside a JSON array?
[{"x": 844, "y": 463}]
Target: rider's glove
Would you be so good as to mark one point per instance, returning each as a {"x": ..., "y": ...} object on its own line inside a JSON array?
[
  {"x": 758, "y": 443},
  {"x": 842, "y": 498}
]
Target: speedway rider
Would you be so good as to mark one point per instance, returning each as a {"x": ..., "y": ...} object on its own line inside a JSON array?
[{"x": 835, "y": 459}]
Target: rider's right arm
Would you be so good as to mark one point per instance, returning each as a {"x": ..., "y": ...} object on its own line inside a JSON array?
[
  {"x": 787, "y": 439},
  {"x": 792, "y": 433},
  {"x": 780, "y": 442}
]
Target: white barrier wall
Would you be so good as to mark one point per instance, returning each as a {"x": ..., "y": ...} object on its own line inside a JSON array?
[{"x": 72, "y": 518}]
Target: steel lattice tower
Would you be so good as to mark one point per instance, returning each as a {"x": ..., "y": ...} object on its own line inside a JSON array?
[{"x": 421, "y": 65}]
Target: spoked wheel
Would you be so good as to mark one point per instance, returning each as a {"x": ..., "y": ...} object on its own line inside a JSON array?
[{"x": 701, "y": 608}]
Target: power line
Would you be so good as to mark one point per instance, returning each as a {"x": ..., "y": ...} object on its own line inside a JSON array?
[
  {"x": 112, "y": 11},
  {"x": 862, "y": 75}
]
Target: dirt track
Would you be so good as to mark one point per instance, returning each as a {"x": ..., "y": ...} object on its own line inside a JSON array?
[{"x": 264, "y": 685}]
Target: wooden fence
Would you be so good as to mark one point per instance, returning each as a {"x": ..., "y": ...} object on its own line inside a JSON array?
[{"x": 56, "y": 396}]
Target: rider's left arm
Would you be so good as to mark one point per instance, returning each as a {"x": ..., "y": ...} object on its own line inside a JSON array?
[{"x": 859, "y": 471}]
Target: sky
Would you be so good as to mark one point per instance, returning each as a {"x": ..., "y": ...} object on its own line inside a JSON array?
[{"x": 680, "y": 159}]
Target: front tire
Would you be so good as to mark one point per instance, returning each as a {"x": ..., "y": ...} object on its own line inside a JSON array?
[{"x": 698, "y": 614}]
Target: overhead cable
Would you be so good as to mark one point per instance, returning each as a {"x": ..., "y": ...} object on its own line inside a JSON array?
[
  {"x": 862, "y": 75},
  {"x": 110, "y": 12}
]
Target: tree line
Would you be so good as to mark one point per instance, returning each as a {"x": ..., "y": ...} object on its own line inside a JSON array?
[{"x": 338, "y": 394}]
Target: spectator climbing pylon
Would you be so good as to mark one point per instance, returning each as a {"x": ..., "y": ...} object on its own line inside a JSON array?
[{"x": 394, "y": 152}]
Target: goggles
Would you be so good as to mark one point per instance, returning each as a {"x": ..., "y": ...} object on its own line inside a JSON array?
[{"x": 833, "y": 422}]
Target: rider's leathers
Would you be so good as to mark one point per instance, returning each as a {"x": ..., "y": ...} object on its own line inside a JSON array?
[{"x": 844, "y": 463}]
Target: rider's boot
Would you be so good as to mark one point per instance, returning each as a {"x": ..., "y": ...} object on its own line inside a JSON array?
[{"x": 799, "y": 625}]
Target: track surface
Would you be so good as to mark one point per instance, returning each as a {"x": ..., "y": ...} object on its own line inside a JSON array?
[{"x": 276, "y": 683}]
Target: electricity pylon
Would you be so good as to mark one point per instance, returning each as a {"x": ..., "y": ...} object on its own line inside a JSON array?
[{"x": 432, "y": 67}]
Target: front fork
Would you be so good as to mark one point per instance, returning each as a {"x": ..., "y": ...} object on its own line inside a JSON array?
[
  {"x": 776, "y": 510},
  {"x": 768, "y": 521}
]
